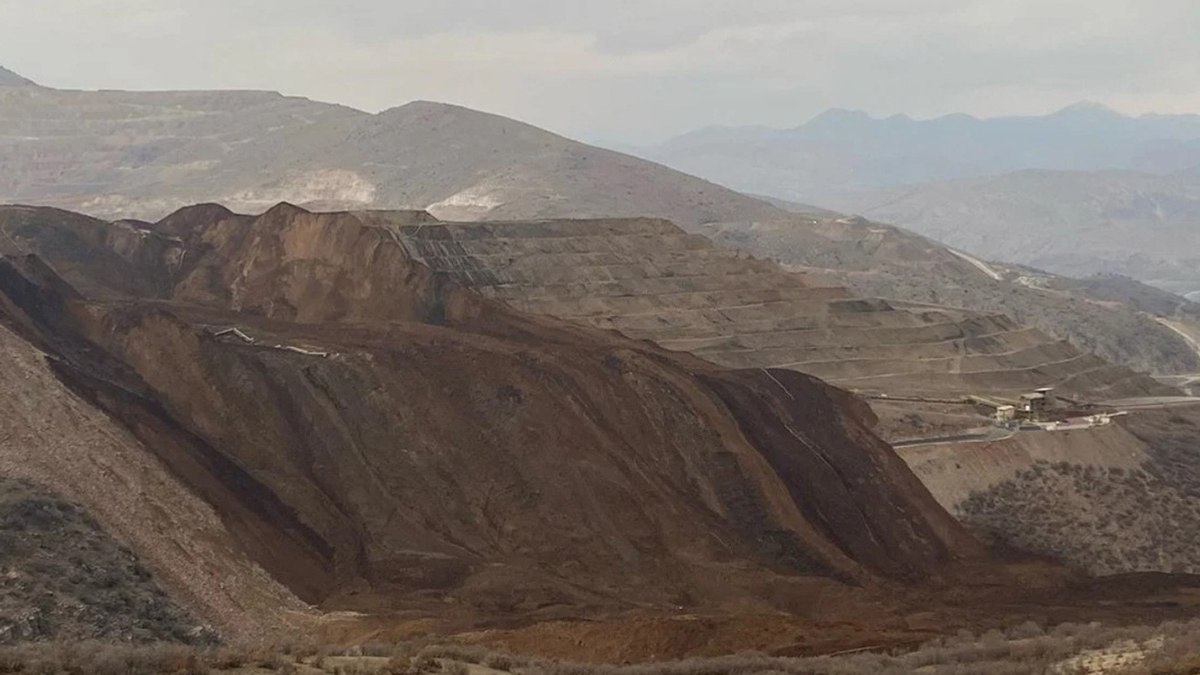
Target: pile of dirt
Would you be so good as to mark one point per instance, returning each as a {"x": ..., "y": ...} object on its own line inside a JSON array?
[{"x": 382, "y": 440}]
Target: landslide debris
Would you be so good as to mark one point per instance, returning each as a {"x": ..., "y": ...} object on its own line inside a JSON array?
[{"x": 380, "y": 438}]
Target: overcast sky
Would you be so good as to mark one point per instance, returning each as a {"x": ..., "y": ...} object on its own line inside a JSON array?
[{"x": 626, "y": 70}]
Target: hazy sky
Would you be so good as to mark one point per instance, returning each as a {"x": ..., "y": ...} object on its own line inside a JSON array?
[{"x": 630, "y": 70}]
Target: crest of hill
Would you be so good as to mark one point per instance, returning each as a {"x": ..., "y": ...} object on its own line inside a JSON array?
[
  {"x": 10, "y": 79},
  {"x": 251, "y": 150},
  {"x": 467, "y": 165}
]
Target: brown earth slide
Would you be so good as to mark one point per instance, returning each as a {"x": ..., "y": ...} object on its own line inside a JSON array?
[{"x": 376, "y": 437}]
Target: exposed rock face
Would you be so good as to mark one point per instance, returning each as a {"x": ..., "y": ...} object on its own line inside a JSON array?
[{"x": 377, "y": 436}]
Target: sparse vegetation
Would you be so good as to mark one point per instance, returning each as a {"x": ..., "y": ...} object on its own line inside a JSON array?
[
  {"x": 67, "y": 579},
  {"x": 1116, "y": 521},
  {"x": 1168, "y": 649},
  {"x": 1104, "y": 520}
]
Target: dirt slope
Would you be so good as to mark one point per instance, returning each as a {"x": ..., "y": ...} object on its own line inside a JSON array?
[
  {"x": 376, "y": 437},
  {"x": 50, "y": 436}
]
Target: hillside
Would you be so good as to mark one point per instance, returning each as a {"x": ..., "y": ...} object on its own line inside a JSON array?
[
  {"x": 649, "y": 279},
  {"x": 317, "y": 426},
  {"x": 65, "y": 578},
  {"x": 1072, "y": 223},
  {"x": 1119, "y": 322},
  {"x": 1081, "y": 191},
  {"x": 1113, "y": 500},
  {"x": 378, "y": 438}
]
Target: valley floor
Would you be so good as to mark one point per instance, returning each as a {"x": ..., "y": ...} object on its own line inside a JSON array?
[{"x": 1077, "y": 649}]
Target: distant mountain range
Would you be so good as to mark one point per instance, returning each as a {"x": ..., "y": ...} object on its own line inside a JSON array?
[
  {"x": 844, "y": 150},
  {"x": 1080, "y": 191}
]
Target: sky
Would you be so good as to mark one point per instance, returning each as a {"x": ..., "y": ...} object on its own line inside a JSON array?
[{"x": 624, "y": 71}]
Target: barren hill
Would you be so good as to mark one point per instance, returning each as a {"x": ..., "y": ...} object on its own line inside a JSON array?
[
  {"x": 378, "y": 437},
  {"x": 144, "y": 154}
]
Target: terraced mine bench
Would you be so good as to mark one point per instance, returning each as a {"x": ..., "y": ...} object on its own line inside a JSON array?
[{"x": 648, "y": 279}]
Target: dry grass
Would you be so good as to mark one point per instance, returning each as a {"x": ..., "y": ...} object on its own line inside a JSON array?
[{"x": 1169, "y": 649}]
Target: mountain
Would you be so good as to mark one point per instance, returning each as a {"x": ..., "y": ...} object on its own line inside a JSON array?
[
  {"x": 842, "y": 151},
  {"x": 371, "y": 436},
  {"x": 648, "y": 279},
  {"x": 1122, "y": 323},
  {"x": 316, "y": 427},
  {"x": 144, "y": 154}
]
